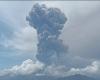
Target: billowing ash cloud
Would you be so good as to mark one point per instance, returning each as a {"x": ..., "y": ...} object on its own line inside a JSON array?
[{"x": 48, "y": 22}]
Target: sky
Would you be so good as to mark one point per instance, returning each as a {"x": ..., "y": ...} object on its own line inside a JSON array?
[{"x": 18, "y": 40}]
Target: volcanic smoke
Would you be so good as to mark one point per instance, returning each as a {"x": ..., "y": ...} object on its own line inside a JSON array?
[{"x": 48, "y": 23}]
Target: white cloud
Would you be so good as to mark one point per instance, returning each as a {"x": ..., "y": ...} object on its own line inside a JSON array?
[
  {"x": 54, "y": 70},
  {"x": 24, "y": 40},
  {"x": 24, "y": 37},
  {"x": 92, "y": 69},
  {"x": 27, "y": 67}
]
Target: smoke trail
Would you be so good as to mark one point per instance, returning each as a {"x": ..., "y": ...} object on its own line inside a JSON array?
[{"x": 48, "y": 22}]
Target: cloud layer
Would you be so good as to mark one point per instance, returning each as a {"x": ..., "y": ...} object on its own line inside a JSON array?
[
  {"x": 92, "y": 69},
  {"x": 22, "y": 40},
  {"x": 26, "y": 68}
]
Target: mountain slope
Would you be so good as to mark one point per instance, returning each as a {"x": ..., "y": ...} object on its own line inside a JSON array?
[
  {"x": 77, "y": 77},
  {"x": 32, "y": 77}
]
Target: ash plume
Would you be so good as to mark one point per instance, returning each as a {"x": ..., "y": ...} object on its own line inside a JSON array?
[{"x": 48, "y": 23}]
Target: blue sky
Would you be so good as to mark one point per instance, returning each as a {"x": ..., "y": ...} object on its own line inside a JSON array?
[{"x": 18, "y": 40}]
